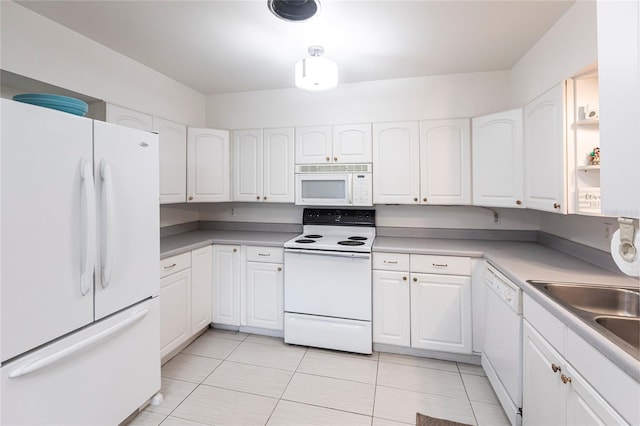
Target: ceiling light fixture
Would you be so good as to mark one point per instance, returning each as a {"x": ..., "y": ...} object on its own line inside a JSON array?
[
  {"x": 294, "y": 10},
  {"x": 315, "y": 73}
]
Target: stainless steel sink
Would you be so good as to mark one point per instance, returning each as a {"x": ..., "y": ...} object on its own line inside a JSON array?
[{"x": 614, "y": 312}]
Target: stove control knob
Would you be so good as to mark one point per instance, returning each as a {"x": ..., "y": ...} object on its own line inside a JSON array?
[{"x": 359, "y": 215}]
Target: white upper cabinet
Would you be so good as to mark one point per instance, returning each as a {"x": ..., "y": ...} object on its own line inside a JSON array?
[
  {"x": 247, "y": 165},
  {"x": 352, "y": 143},
  {"x": 129, "y": 118},
  {"x": 396, "y": 163},
  {"x": 173, "y": 160},
  {"x": 545, "y": 179},
  {"x": 263, "y": 165},
  {"x": 619, "y": 87},
  {"x": 347, "y": 143},
  {"x": 313, "y": 145},
  {"x": 207, "y": 165},
  {"x": 278, "y": 165},
  {"x": 497, "y": 142},
  {"x": 445, "y": 161}
]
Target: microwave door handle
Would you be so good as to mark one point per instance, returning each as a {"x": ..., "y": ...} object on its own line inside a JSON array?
[{"x": 350, "y": 189}]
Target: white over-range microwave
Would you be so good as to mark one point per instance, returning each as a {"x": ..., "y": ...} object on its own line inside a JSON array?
[{"x": 334, "y": 185}]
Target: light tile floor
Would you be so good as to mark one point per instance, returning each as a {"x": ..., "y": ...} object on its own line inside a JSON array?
[{"x": 230, "y": 378}]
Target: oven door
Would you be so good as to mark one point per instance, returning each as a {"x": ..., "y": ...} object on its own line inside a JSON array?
[
  {"x": 323, "y": 189},
  {"x": 328, "y": 283}
]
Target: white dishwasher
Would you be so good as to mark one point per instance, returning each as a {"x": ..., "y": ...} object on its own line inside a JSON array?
[{"x": 502, "y": 351}]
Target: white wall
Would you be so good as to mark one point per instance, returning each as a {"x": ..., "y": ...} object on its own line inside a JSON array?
[
  {"x": 448, "y": 217},
  {"x": 38, "y": 48},
  {"x": 443, "y": 96},
  {"x": 569, "y": 46},
  {"x": 175, "y": 214}
]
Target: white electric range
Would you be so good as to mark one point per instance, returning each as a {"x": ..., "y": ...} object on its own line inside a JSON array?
[{"x": 327, "y": 290}]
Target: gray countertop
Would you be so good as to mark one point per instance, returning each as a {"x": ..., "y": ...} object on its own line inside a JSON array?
[
  {"x": 519, "y": 261},
  {"x": 191, "y": 240},
  {"x": 522, "y": 261}
]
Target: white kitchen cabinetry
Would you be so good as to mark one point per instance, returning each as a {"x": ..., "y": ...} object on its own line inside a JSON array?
[
  {"x": 619, "y": 91},
  {"x": 129, "y": 118},
  {"x": 554, "y": 392},
  {"x": 545, "y": 165},
  {"x": 422, "y": 301},
  {"x": 208, "y": 178},
  {"x": 185, "y": 297},
  {"x": 264, "y": 283},
  {"x": 201, "y": 283},
  {"x": 568, "y": 381},
  {"x": 497, "y": 142},
  {"x": 348, "y": 143},
  {"x": 173, "y": 160},
  {"x": 396, "y": 163},
  {"x": 445, "y": 161},
  {"x": 263, "y": 165},
  {"x": 175, "y": 302},
  {"x": 226, "y": 285}
]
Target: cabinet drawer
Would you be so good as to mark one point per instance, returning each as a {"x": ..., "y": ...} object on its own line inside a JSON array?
[
  {"x": 444, "y": 265},
  {"x": 391, "y": 261},
  {"x": 174, "y": 264},
  {"x": 265, "y": 254}
]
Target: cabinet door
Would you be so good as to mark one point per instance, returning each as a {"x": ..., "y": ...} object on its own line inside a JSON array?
[
  {"x": 396, "y": 163},
  {"x": 128, "y": 118},
  {"x": 173, "y": 160},
  {"x": 265, "y": 295},
  {"x": 201, "y": 283},
  {"x": 352, "y": 143},
  {"x": 313, "y": 145},
  {"x": 207, "y": 165},
  {"x": 445, "y": 162},
  {"x": 391, "y": 308},
  {"x": 175, "y": 317},
  {"x": 497, "y": 159},
  {"x": 247, "y": 165},
  {"x": 226, "y": 285},
  {"x": 543, "y": 393},
  {"x": 545, "y": 152},
  {"x": 585, "y": 407},
  {"x": 278, "y": 165},
  {"x": 441, "y": 312},
  {"x": 619, "y": 92}
]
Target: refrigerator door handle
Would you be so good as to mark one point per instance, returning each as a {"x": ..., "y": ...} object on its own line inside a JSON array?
[
  {"x": 88, "y": 220},
  {"x": 70, "y": 350},
  {"x": 107, "y": 223}
]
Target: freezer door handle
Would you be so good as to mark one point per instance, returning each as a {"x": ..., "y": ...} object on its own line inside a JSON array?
[
  {"x": 88, "y": 220},
  {"x": 70, "y": 350},
  {"x": 107, "y": 223}
]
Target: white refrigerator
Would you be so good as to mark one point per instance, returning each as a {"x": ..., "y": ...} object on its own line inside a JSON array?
[{"x": 79, "y": 268}]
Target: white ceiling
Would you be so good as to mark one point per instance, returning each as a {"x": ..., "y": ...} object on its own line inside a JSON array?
[{"x": 233, "y": 46}]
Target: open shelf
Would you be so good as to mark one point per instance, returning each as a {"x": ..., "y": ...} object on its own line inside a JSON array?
[
  {"x": 589, "y": 167},
  {"x": 587, "y": 122}
]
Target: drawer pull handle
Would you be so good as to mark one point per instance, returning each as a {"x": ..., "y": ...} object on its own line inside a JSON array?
[
  {"x": 264, "y": 254},
  {"x": 555, "y": 368},
  {"x": 391, "y": 262},
  {"x": 170, "y": 266},
  {"x": 565, "y": 379},
  {"x": 440, "y": 265}
]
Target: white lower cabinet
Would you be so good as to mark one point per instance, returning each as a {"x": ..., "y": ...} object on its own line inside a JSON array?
[
  {"x": 201, "y": 283},
  {"x": 265, "y": 295},
  {"x": 185, "y": 297},
  {"x": 226, "y": 285},
  {"x": 554, "y": 392},
  {"x": 391, "y": 315},
  {"x": 422, "y": 302}
]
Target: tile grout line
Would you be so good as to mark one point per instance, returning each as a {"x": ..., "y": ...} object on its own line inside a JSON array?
[
  {"x": 288, "y": 383},
  {"x": 464, "y": 385}
]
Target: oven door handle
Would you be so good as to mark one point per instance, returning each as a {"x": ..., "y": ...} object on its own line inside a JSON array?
[{"x": 331, "y": 253}]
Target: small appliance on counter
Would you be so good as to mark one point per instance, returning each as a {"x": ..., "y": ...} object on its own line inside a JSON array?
[{"x": 327, "y": 290}]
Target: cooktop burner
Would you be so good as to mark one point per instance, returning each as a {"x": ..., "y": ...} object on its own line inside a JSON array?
[
  {"x": 314, "y": 236},
  {"x": 358, "y": 238},
  {"x": 350, "y": 243},
  {"x": 305, "y": 241}
]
